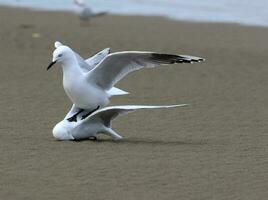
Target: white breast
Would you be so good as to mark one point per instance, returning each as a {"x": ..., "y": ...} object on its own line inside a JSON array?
[{"x": 84, "y": 95}]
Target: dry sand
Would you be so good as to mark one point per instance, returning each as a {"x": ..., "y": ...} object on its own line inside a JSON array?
[{"x": 214, "y": 149}]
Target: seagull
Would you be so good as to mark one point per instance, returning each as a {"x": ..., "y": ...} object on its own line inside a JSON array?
[
  {"x": 91, "y": 89},
  {"x": 98, "y": 122},
  {"x": 86, "y": 13}
]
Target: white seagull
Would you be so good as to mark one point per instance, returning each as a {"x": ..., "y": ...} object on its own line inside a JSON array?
[
  {"x": 96, "y": 123},
  {"x": 89, "y": 87},
  {"x": 86, "y": 13}
]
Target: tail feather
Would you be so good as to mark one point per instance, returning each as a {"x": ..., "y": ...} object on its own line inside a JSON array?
[{"x": 116, "y": 92}]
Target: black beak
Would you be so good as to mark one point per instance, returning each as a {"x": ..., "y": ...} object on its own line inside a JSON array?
[{"x": 51, "y": 64}]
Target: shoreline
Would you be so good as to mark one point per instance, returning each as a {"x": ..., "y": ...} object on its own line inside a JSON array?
[{"x": 73, "y": 11}]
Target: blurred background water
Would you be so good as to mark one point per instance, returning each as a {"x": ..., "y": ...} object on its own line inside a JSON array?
[{"x": 246, "y": 12}]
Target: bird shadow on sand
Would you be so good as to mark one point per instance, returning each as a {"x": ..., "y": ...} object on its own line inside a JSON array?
[{"x": 144, "y": 141}]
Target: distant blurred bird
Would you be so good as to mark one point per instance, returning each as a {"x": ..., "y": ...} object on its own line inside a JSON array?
[{"x": 86, "y": 13}]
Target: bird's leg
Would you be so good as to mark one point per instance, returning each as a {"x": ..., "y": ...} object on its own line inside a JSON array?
[
  {"x": 74, "y": 117},
  {"x": 86, "y": 115}
]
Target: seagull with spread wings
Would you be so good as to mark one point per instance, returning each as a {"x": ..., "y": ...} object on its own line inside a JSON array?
[
  {"x": 99, "y": 122},
  {"x": 90, "y": 83}
]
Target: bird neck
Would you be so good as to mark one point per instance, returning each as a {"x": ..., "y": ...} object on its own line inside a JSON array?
[{"x": 71, "y": 68}]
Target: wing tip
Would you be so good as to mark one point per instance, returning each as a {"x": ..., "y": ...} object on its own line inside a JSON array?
[
  {"x": 178, "y": 105},
  {"x": 108, "y": 49},
  {"x": 172, "y": 59}
]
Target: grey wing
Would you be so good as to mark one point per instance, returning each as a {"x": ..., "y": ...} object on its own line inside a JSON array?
[
  {"x": 90, "y": 63},
  {"x": 97, "y": 58},
  {"x": 106, "y": 115},
  {"x": 83, "y": 64},
  {"x": 117, "y": 65},
  {"x": 98, "y": 14}
]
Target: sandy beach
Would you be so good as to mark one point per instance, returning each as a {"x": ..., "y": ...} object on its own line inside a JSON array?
[{"x": 216, "y": 148}]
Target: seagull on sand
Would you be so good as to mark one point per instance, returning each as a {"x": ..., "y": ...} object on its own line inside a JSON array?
[
  {"x": 90, "y": 86},
  {"x": 96, "y": 123},
  {"x": 86, "y": 13}
]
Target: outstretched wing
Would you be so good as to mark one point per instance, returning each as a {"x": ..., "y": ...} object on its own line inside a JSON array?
[
  {"x": 83, "y": 64},
  {"x": 97, "y": 58},
  {"x": 90, "y": 63},
  {"x": 117, "y": 65},
  {"x": 106, "y": 115}
]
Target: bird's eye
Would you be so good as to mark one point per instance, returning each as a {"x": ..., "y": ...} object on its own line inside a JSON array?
[{"x": 60, "y": 55}]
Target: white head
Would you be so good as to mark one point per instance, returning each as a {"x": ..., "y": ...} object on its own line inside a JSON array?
[
  {"x": 62, "y": 54},
  {"x": 62, "y": 131}
]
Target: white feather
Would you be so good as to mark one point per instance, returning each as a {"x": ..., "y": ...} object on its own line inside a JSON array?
[{"x": 98, "y": 122}]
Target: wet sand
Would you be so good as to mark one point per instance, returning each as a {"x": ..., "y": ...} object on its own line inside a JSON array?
[{"x": 216, "y": 148}]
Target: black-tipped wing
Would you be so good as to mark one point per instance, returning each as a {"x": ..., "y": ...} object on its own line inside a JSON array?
[
  {"x": 117, "y": 65},
  {"x": 172, "y": 59}
]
